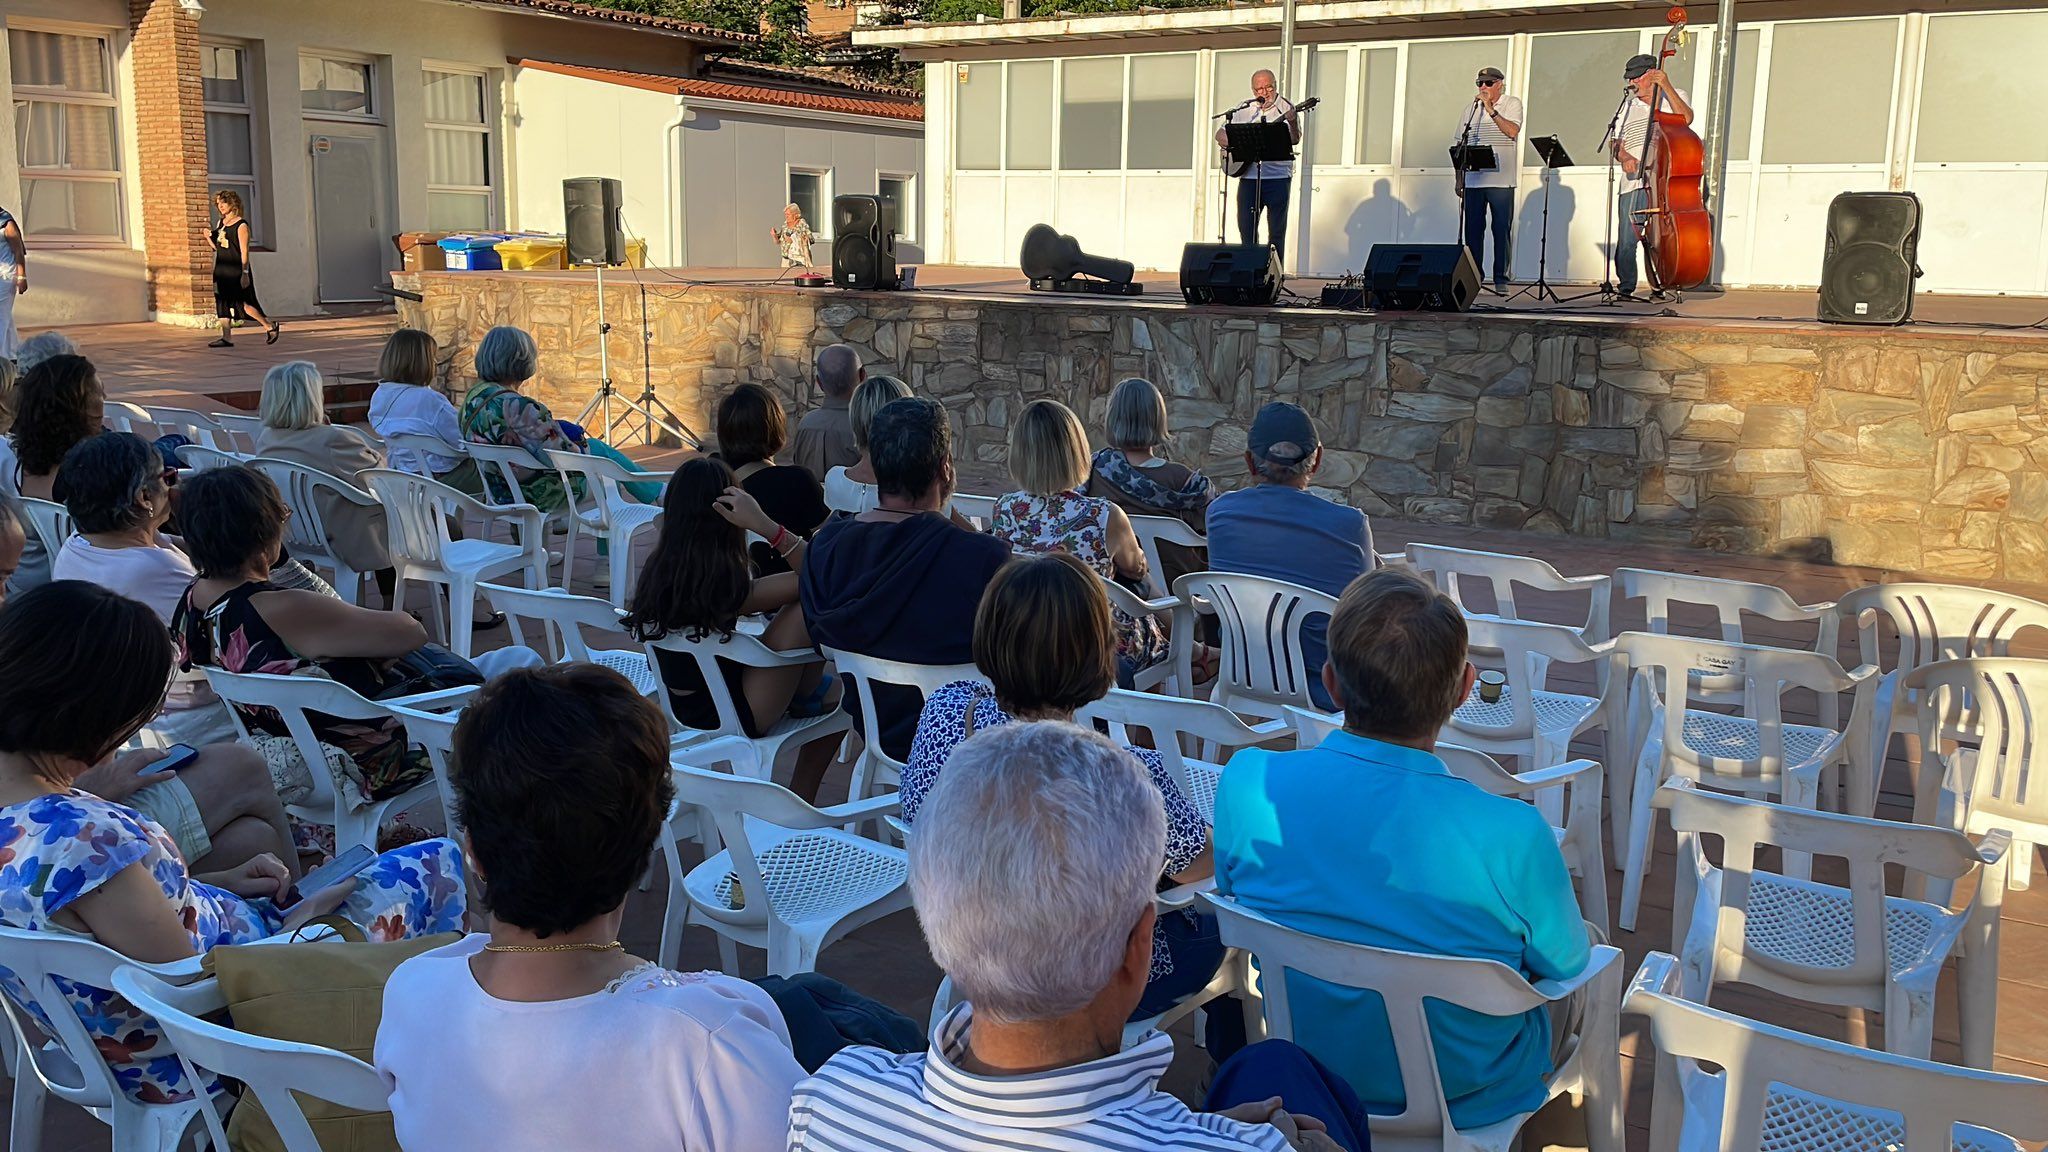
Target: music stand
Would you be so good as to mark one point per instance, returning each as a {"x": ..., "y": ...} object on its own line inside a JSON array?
[
  {"x": 1551, "y": 149},
  {"x": 1255, "y": 143},
  {"x": 1473, "y": 158}
]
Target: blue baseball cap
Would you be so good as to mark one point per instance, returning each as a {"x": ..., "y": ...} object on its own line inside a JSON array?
[{"x": 1282, "y": 433}]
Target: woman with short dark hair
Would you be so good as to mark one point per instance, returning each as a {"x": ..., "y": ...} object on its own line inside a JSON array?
[
  {"x": 563, "y": 795},
  {"x": 57, "y": 404},
  {"x": 751, "y": 429},
  {"x": 81, "y": 670},
  {"x": 119, "y": 503}
]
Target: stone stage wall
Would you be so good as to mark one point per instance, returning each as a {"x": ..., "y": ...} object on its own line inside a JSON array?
[{"x": 1912, "y": 450}]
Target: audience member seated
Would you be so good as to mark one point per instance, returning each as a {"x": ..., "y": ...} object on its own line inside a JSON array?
[
  {"x": 58, "y": 403},
  {"x": 295, "y": 429},
  {"x": 1131, "y": 474},
  {"x": 14, "y": 534},
  {"x": 563, "y": 794},
  {"x": 697, "y": 582},
  {"x": 406, "y": 403},
  {"x": 119, "y": 503},
  {"x": 83, "y": 864},
  {"x": 1033, "y": 870},
  {"x": 1049, "y": 461},
  {"x": 852, "y": 489},
  {"x": 40, "y": 347},
  {"x": 236, "y": 619},
  {"x": 824, "y": 437},
  {"x": 1045, "y": 640},
  {"x": 1278, "y": 529},
  {"x": 751, "y": 430},
  {"x": 1368, "y": 838},
  {"x": 901, "y": 582},
  {"x": 494, "y": 412}
]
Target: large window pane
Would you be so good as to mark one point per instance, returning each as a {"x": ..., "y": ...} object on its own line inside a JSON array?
[
  {"x": 1378, "y": 69},
  {"x": 334, "y": 85},
  {"x": 1971, "y": 92},
  {"x": 227, "y": 144},
  {"x": 1162, "y": 112},
  {"x": 1092, "y": 114},
  {"x": 1323, "y": 126},
  {"x": 455, "y": 156},
  {"x": 63, "y": 207},
  {"x": 977, "y": 118},
  {"x": 48, "y": 134},
  {"x": 1028, "y": 126},
  {"x": 1440, "y": 91},
  {"x": 1572, "y": 90},
  {"x": 1831, "y": 92},
  {"x": 220, "y": 75},
  {"x": 64, "y": 62},
  {"x": 899, "y": 205},
  {"x": 460, "y": 211},
  {"x": 1234, "y": 69},
  {"x": 1742, "y": 117},
  {"x": 807, "y": 192},
  {"x": 454, "y": 98}
]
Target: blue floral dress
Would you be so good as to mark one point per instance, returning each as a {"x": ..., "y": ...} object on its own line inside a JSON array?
[
  {"x": 1079, "y": 524},
  {"x": 57, "y": 848}
]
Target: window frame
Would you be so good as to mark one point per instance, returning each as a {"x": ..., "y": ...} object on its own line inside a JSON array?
[
  {"x": 373, "y": 114},
  {"x": 487, "y": 128},
  {"x": 24, "y": 93},
  {"x": 907, "y": 207},
  {"x": 821, "y": 228},
  {"x": 250, "y": 185}
]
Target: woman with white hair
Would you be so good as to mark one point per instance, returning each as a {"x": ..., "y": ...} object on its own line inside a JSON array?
[
  {"x": 495, "y": 412},
  {"x": 1043, "y": 832},
  {"x": 295, "y": 429},
  {"x": 1131, "y": 473},
  {"x": 793, "y": 238}
]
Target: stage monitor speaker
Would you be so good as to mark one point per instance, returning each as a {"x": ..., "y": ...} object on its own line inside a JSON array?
[
  {"x": 1420, "y": 277},
  {"x": 590, "y": 211},
  {"x": 1866, "y": 275},
  {"x": 1230, "y": 273},
  {"x": 863, "y": 248}
]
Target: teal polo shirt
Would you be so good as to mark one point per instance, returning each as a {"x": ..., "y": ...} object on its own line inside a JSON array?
[{"x": 1374, "y": 843}]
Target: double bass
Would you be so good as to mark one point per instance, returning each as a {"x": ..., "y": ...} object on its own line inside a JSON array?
[{"x": 1676, "y": 225}]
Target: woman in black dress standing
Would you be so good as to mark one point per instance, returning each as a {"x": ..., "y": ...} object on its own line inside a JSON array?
[{"x": 234, "y": 289}]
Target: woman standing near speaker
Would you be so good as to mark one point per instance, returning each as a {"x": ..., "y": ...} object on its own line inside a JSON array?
[
  {"x": 794, "y": 238},
  {"x": 234, "y": 286}
]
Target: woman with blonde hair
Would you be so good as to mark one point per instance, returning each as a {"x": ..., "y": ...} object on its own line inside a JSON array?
[
  {"x": 793, "y": 238},
  {"x": 852, "y": 490},
  {"x": 234, "y": 285},
  {"x": 295, "y": 429}
]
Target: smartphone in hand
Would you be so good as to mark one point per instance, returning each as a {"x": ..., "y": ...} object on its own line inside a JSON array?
[
  {"x": 178, "y": 758},
  {"x": 329, "y": 874}
]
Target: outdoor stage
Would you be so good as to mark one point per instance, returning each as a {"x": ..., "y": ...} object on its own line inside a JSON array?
[{"x": 1730, "y": 421}]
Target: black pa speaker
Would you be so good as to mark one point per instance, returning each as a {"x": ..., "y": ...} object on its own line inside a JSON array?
[
  {"x": 863, "y": 247},
  {"x": 1230, "y": 273},
  {"x": 1867, "y": 273},
  {"x": 1420, "y": 277},
  {"x": 590, "y": 212}
]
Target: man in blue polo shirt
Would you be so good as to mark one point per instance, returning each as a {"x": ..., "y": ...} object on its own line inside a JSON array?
[{"x": 1368, "y": 838}]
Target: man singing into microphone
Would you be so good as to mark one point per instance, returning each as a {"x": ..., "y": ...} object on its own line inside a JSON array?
[
  {"x": 1494, "y": 121},
  {"x": 1628, "y": 139},
  {"x": 1267, "y": 183}
]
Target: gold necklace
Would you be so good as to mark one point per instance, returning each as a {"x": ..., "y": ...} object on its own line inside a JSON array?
[{"x": 580, "y": 946}]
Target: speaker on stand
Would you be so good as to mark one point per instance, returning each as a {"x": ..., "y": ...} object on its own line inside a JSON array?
[
  {"x": 1867, "y": 272},
  {"x": 593, "y": 224},
  {"x": 863, "y": 247},
  {"x": 1420, "y": 277},
  {"x": 591, "y": 207}
]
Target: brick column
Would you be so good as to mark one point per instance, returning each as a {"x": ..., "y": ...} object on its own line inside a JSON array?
[{"x": 170, "y": 163}]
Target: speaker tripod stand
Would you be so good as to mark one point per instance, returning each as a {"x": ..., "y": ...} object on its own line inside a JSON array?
[{"x": 649, "y": 407}]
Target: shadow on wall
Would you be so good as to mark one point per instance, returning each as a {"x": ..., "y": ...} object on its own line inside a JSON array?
[{"x": 1563, "y": 204}]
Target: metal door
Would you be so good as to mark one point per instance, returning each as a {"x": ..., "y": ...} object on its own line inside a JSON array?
[{"x": 350, "y": 235}]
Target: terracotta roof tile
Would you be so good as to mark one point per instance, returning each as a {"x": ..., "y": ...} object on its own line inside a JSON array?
[
  {"x": 631, "y": 19},
  {"x": 887, "y": 107}
]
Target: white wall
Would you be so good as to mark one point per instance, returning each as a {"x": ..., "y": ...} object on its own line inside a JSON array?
[
  {"x": 735, "y": 168},
  {"x": 570, "y": 126}
]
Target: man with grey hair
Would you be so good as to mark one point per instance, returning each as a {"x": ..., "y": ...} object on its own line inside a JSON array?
[
  {"x": 1033, "y": 870},
  {"x": 1278, "y": 529},
  {"x": 824, "y": 437},
  {"x": 40, "y": 347}
]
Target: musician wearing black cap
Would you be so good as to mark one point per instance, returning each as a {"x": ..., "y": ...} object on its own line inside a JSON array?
[
  {"x": 1628, "y": 138},
  {"x": 1494, "y": 121}
]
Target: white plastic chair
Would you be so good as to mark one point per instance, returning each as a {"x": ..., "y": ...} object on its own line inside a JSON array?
[
  {"x": 121, "y": 416},
  {"x": 495, "y": 461},
  {"x": 2001, "y": 780},
  {"x": 355, "y": 820},
  {"x": 876, "y": 768},
  {"x": 270, "y": 1070},
  {"x": 1591, "y": 1068},
  {"x": 199, "y": 458},
  {"x": 1453, "y": 570},
  {"x": 1152, "y": 531},
  {"x": 783, "y": 738},
  {"x": 408, "y": 451},
  {"x": 305, "y": 532},
  {"x": 804, "y": 881},
  {"x": 1192, "y": 737},
  {"x": 1136, "y": 606},
  {"x": 611, "y": 517},
  {"x": 1528, "y": 721},
  {"x": 190, "y": 423},
  {"x": 1852, "y": 947},
  {"x": 50, "y": 521},
  {"x": 69, "y": 1066},
  {"x": 1785, "y": 1090},
  {"x": 1755, "y": 753},
  {"x": 562, "y": 617},
  {"x": 416, "y": 512},
  {"x": 980, "y": 509},
  {"x": 239, "y": 430},
  {"x": 1261, "y": 668},
  {"x": 1578, "y": 832}
]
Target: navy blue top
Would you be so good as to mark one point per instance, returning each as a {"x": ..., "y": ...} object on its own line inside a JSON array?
[{"x": 1288, "y": 534}]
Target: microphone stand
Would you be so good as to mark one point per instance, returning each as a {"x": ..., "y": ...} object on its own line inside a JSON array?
[
  {"x": 1223, "y": 185},
  {"x": 1608, "y": 293},
  {"x": 1458, "y": 172}
]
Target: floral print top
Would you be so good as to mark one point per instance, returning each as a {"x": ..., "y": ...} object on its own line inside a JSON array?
[
  {"x": 1078, "y": 525},
  {"x": 57, "y": 848},
  {"x": 943, "y": 725},
  {"x": 494, "y": 414}
]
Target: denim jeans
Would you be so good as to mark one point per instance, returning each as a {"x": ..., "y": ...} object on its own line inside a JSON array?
[
  {"x": 1271, "y": 195},
  {"x": 1501, "y": 203},
  {"x": 1279, "y": 1068},
  {"x": 1626, "y": 239}
]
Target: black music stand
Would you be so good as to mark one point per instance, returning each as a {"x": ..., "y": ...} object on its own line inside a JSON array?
[
  {"x": 1255, "y": 143},
  {"x": 1473, "y": 158},
  {"x": 1551, "y": 149}
]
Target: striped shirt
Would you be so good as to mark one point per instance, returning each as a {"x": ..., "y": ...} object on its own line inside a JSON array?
[
  {"x": 1479, "y": 128},
  {"x": 865, "y": 1098}
]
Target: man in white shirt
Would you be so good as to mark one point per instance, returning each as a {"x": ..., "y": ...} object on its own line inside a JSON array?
[
  {"x": 1267, "y": 184},
  {"x": 1628, "y": 137},
  {"x": 1493, "y": 121}
]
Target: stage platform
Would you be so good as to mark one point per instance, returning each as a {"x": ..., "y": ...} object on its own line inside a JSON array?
[{"x": 1733, "y": 422}]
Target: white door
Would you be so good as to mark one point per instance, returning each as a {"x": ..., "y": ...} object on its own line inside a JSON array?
[{"x": 351, "y": 233}]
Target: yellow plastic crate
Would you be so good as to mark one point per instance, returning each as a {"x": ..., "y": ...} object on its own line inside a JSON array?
[{"x": 532, "y": 252}]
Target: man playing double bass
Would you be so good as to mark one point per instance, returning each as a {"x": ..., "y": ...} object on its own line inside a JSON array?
[{"x": 1628, "y": 137}]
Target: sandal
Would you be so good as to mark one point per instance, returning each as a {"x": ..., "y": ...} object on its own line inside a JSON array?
[
  {"x": 270, "y": 337},
  {"x": 223, "y": 342}
]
